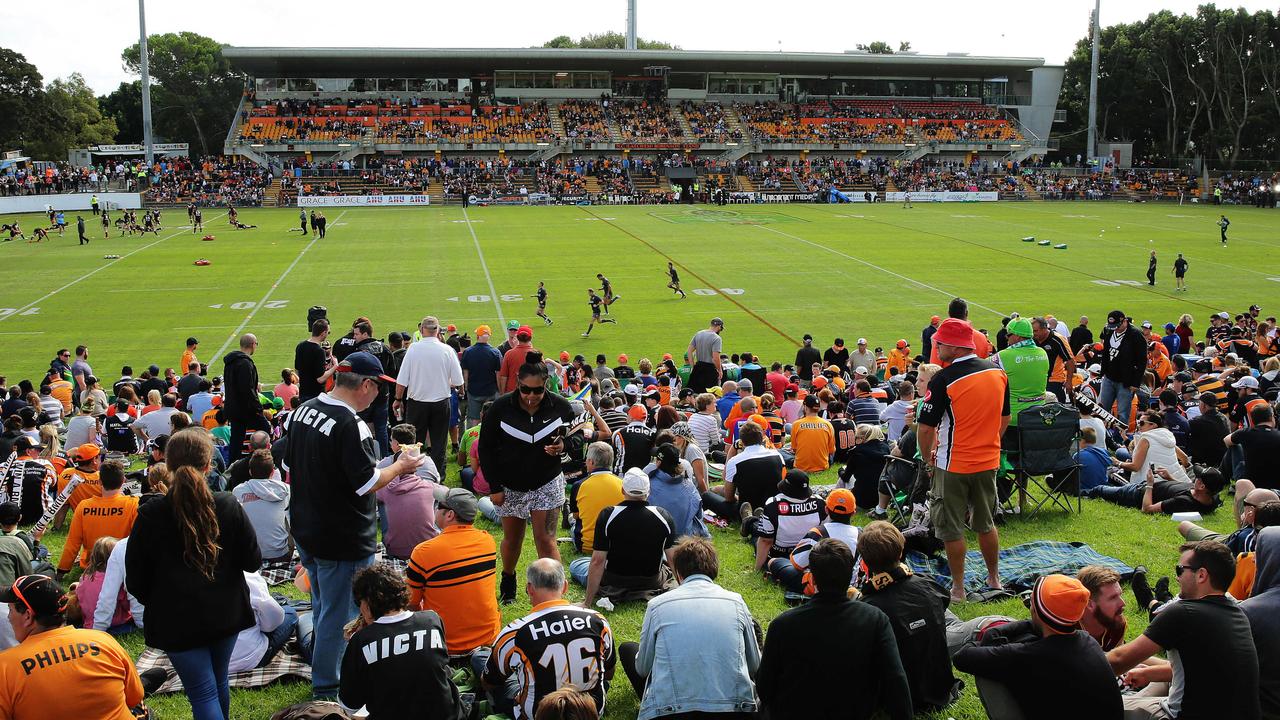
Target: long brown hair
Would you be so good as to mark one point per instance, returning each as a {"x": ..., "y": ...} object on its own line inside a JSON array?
[
  {"x": 99, "y": 555},
  {"x": 188, "y": 455}
]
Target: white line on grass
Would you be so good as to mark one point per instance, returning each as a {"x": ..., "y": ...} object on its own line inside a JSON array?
[
  {"x": 93, "y": 272},
  {"x": 155, "y": 289},
  {"x": 913, "y": 281},
  {"x": 249, "y": 318},
  {"x": 493, "y": 292}
]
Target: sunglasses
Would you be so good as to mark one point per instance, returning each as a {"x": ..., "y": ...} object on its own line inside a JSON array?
[
  {"x": 17, "y": 590},
  {"x": 536, "y": 390},
  {"x": 1177, "y": 569}
]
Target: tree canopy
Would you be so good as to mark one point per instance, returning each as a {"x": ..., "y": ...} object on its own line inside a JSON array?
[
  {"x": 195, "y": 90},
  {"x": 21, "y": 99},
  {"x": 881, "y": 47},
  {"x": 606, "y": 41}
]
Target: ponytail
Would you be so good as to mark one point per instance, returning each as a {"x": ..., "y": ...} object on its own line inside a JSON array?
[{"x": 188, "y": 455}]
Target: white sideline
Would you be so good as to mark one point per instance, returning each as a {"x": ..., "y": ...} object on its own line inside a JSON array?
[{"x": 493, "y": 293}]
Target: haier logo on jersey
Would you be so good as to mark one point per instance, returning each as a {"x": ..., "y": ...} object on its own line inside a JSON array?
[
  {"x": 547, "y": 628},
  {"x": 313, "y": 418},
  {"x": 400, "y": 644}
]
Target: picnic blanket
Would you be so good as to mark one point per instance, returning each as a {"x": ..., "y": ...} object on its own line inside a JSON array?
[
  {"x": 285, "y": 664},
  {"x": 1020, "y": 565},
  {"x": 281, "y": 571}
]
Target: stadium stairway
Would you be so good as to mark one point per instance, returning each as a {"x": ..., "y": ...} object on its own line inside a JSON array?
[
  {"x": 435, "y": 189},
  {"x": 735, "y": 123},
  {"x": 271, "y": 195},
  {"x": 744, "y": 183},
  {"x": 557, "y": 123},
  {"x": 683, "y": 121}
]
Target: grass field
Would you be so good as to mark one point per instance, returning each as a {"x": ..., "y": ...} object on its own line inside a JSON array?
[{"x": 772, "y": 272}]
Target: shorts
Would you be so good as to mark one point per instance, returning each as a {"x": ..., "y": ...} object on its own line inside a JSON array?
[
  {"x": 523, "y": 503},
  {"x": 1198, "y": 533},
  {"x": 453, "y": 410},
  {"x": 954, "y": 494}
]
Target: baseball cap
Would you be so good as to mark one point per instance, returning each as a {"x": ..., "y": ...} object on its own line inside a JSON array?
[
  {"x": 1020, "y": 327},
  {"x": 513, "y": 324},
  {"x": 192, "y": 341},
  {"x": 363, "y": 364},
  {"x": 88, "y": 451},
  {"x": 902, "y": 343},
  {"x": 1248, "y": 381},
  {"x": 666, "y": 356},
  {"x": 157, "y": 443},
  {"x": 1060, "y": 601},
  {"x": 26, "y": 442},
  {"x": 153, "y": 369},
  {"x": 635, "y": 484},
  {"x": 564, "y": 356},
  {"x": 839, "y": 342},
  {"x": 41, "y": 594},
  {"x": 1169, "y": 326},
  {"x": 622, "y": 358},
  {"x": 682, "y": 429},
  {"x": 795, "y": 484},
  {"x": 651, "y": 391},
  {"x": 841, "y": 502},
  {"x": 935, "y": 320},
  {"x": 807, "y": 336},
  {"x": 860, "y": 370},
  {"x": 10, "y": 513},
  {"x": 956, "y": 333},
  {"x": 1224, "y": 315},
  {"x": 1095, "y": 369},
  {"x": 1146, "y": 324},
  {"x": 483, "y": 330},
  {"x": 638, "y": 413},
  {"x": 667, "y": 454},
  {"x": 717, "y": 321},
  {"x": 459, "y": 500},
  {"x": 1203, "y": 365},
  {"x": 819, "y": 382},
  {"x": 526, "y": 330},
  {"x": 791, "y": 389},
  {"x": 862, "y": 341},
  {"x": 1254, "y": 307},
  {"x": 632, "y": 389},
  {"x": 451, "y": 328},
  {"x": 1115, "y": 317}
]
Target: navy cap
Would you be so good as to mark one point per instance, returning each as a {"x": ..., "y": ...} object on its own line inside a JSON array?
[{"x": 364, "y": 364}]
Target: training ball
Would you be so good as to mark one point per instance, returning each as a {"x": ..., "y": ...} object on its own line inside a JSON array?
[{"x": 1151, "y": 241}]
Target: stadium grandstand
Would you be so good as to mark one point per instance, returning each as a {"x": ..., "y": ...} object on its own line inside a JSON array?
[{"x": 450, "y": 123}]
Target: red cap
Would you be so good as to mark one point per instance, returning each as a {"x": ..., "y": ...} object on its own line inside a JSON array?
[
  {"x": 666, "y": 356},
  {"x": 638, "y": 413},
  {"x": 622, "y": 358},
  {"x": 564, "y": 356},
  {"x": 956, "y": 333},
  {"x": 935, "y": 320},
  {"x": 526, "y": 330},
  {"x": 902, "y": 343},
  {"x": 451, "y": 328}
]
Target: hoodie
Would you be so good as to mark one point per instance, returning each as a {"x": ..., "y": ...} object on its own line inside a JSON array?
[
  {"x": 679, "y": 496},
  {"x": 266, "y": 502},
  {"x": 240, "y": 382},
  {"x": 1263, "y": 611},
  {"x": 1162, "y": 452},
  {"x": 410, "y": 505}
]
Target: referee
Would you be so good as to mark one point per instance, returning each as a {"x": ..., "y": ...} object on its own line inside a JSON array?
[
  {"x": 331, "y": 457},
  {"x": 429, "y": 373}
]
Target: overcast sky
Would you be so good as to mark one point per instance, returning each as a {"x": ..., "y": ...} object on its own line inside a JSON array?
[{"x": 87, "y": 36}]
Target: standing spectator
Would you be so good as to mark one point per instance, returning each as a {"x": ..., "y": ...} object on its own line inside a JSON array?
[
  {"x": 1059, "y": 651},
  {"x": 396, "y": 664},
  {"x": 510, "y": 342},
  {"x": 480, "y": 364},
  {"x": 703, "y": 356},
  {"x": 240, "y": 400},
  {"x": 696, "y": 626},
  {"x": 978, "y": 343},
  {"x": 189, "y": 355},
  {"x": 961, "y": 421},
  {"x": 521, "y": 440},
  {"x": 512, "y": 359},
  {"x": 375, "y": 416},
  {"x": 574, "y": 644},
  {"x": 1124, "y": 361},
  {"x": 428, "y": 376},
  {"x": 98, "y": 681},
  {"x": 806, "y": 356},
  {"x": 829, "y": 642},
  {"x": 331, "y": 457},
  {"x": 1027, "y": 367},
  {"x": 813, "y": 439},
  {"x": 80, "y": 374},
  {"x": 452, "y": 574},
  {"x": 190, "y": 549},
  {"x": 863, "y": 358},
  {"x": 632, "y": 544},
  {"x": 926, "y": 335},
  {"x": 1213, "y": 665},
  {"x": 313, "y": 361},
  {"x": 916, "y": 608}
]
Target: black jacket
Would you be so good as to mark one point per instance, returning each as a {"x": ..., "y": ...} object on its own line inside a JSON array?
[
  {"x": 184, "y": 610},
  {"x": 916, "y": 608},
  {"x": 806, "y": 356},
  {"x": 1127, "y": 363},
  {"x": 512, "y": 441},
  {"x": 378, "y": 349},
  {"x": 240, "y": 380},
  {"x": 1207, "y": 432}
]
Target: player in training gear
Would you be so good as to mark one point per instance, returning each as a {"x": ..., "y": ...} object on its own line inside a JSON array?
[
  {"x": 1223, "y": 224},
  {"x": 675, "y": 279},
  {"x": 606, "y": 288},
  {"x": 542, "y": 303},
  {"x": 596, "y": 303}
]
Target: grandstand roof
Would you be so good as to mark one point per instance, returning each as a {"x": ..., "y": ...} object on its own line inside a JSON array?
[{"x": 429, "y": 62}]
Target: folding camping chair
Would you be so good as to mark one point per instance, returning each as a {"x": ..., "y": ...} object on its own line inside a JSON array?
[
  {"x": 1047, "y": 440},
  {"x": 900, "y": 480}
]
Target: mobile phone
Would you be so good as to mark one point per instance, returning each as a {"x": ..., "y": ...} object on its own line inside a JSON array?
[{"x": 1153, "y": 468}]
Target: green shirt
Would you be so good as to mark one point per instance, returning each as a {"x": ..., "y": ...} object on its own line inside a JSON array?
[
  {"x": 468, "y": 437},
  {"x": 1027, "y": 366}
]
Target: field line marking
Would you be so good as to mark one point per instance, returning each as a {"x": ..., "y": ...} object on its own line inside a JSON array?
[
  {"x": 93, "y": 272},
  {"x": 267, "y": 296},
  {"x": 1180, "y": 230},
  {"x": 869, "y": 264},
  {"x": 493, "y": 292},
  {"x": 694, "y": 273}
]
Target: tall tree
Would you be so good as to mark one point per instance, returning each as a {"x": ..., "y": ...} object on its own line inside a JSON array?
[
  {"x": 878, "y": 47},
  {"x": 21, "y": 97},
  {"x": 71, "y": 118},
  {"x": 196, "y": 90},
  {"x": 606, "y": 41},
  {"x": 124, "y": 105}
]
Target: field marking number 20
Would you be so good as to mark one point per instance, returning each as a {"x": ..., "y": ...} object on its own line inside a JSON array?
[{"x": 249, "y": 305}]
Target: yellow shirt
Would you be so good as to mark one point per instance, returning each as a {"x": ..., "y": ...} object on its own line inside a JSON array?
[
  {"x": 595, "y": 493},
  {"x": 813, "y": 440}
]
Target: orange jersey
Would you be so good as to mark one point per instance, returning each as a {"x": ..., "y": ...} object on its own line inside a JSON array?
[
  {"x": 455, "y": 574},
  {"x": 68, "y": 672},
  {"x": 966, "y": 402},
  {"x": 97, "y": 518},
  {"x": 89, "y": 486},
  {"x": 813, "y": 440}
]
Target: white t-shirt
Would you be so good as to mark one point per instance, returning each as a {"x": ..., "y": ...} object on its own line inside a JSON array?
[{"x": 156, "y": 422}]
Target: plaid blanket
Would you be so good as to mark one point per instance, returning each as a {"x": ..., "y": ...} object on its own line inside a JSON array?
[
  {"x": 1020, "y": 565},
  {"x": 280, "y": 572},
  {"x": 285, "y": 664}
]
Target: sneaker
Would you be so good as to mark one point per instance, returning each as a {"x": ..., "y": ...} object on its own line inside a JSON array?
[
  {"x": 744, "y": 514},
  {"x": 585, "y": 335},
  {"x": 877, "y": 513},
  {"x": 507, "y": 589},
  {"x": 1141, "y": 589},
  {"x": 1162, "y": 590}
]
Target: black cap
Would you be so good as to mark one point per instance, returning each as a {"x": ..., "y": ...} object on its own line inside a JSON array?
[
  {"x": 39, "y": 593},
  {"x": 1203, "y": 365},
  {"x": 192, "y": 341},
  {"x": 25, "y": 443},
  {"x": 667, "y": 454},
  {"x": 807, "y": 336},
  {"x": 795, "y": 484},
  {"x": 1183, "y": 376},
  {"x": 1115, "y": 317}
]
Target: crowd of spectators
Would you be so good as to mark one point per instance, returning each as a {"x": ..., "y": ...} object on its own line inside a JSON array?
[{"x": 644, "y": 120}]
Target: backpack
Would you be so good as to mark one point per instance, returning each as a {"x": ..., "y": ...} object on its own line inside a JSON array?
[{"x": 316, "y": 312}]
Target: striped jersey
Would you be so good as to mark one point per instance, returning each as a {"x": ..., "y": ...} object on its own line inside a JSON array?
[
  {"x": 453, "y": 574},
  {"x": 965, "y": 402},
  {"x": 554, "y": 646}
]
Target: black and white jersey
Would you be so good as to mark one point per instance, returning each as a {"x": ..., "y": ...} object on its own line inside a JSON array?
[
  {"x": 27, "y": 483},
  {"x": 755, "y": 473},
  {"x": 118, "y": 429},
  {"x": 331, "y": 457},
  {"x": 513, "y": 443},
  {"x": 554, "y": 646},
  {"x": 632, "y": 447},
  {"x": 398, "y": 667},
  {"x": 636, "y": 535},
  {"x": 787, "y": 519}
]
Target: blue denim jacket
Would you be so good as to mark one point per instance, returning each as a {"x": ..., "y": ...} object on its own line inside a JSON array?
[{"x": 698, "y": 649}]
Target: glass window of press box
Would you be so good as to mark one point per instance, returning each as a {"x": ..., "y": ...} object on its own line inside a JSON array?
[
  {"x": 559, "y": 79},
  {"x": 362, "y": 85}
]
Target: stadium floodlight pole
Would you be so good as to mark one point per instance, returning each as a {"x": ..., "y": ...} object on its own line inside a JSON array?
[
  {"x": 1091, "y": 144},
  {"x": 144, "y": 65},
  {"x": 631, "y": 24}
]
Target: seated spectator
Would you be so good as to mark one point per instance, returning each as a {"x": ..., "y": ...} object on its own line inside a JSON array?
[
  {"x": 894, "y": 415},
  {"x": 705, "y": 424},
  {"x": 113, "y": 583},
  {"x": 832, "y": 641},
  {"x": 813, "y": 440},
  {"x": 265, "y": 499},
  {"x": 81, "y": 477},
  {"x": 1248, "y": 500},
  {"x": 397, "y": 663},
  {"x": 793, "y": 572},
  {"x": 94, "y": 678},
  {"x": 864, "y": 408},
  {"x": 633, "y": 444},
  {"x": 783, "y": 521},
  {"x": 750, "y": 477},
  {"x": 515, "y": 682},
  {"x": 111, "y": 515},
  {"x": 273, "y": 626},
  {"x": 632, "y": 546},
  {"x": 157, "y": 423},
  {"x": 1166, "y": 495},
  {"x": 1093, "y": 458},
  {"x": 28, "y": 478},
  {"x": 866, "y": 463},
  {"x": 408, "y": 501},
  {"x": 729, "y": 398},
  {"x": 1263, "y": 610},
  {"x": 453, "y": 573},
  {"x": 1154, "y": 444},
  {"x": 238, "y": 471},
  {"x": 1207, "y": 431},
  {"x": 15, "y": 560},
  {"x": 1261, "y": 445},
  {"x": 1212, "y": 669},
  {"x": 88, "y": 591},
  {"x": 682, "y": 437},
  {"x": 1021, "y": 672},
  {"x": 916, "y": 608},
  {"x": 1174, "y": 420},
  {"x": 81, "y": 430},
  {"x": 567, "y": 703},
  {"x": 672, "y": 488},
  {"x": 117, "y": 430},
  {"x": 695, "y": 626},
  {"x": 598, "y": 490}
]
